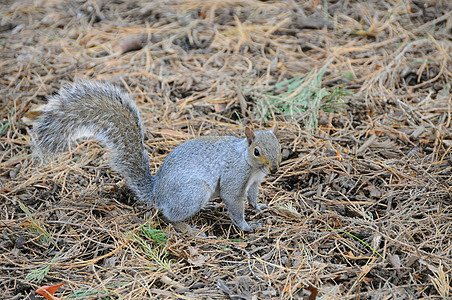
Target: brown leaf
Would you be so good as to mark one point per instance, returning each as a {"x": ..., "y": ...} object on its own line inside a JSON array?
[
  {"x": 131, "y": 43},
  {"x": 48, "y": 291},
  {"x": 166, "y": 280},
  {"x": 288, "y": 212},
  {"x": 195, "y": 258},
  {"x": 367, "y": 279},
  {"x": 199, "y": 260},
  {"x": 219, "y": 107},
  {"x": 313, "y": 291}
]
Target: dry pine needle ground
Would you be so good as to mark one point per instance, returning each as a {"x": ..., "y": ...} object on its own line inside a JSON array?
[{"x": 360, "y": 209}]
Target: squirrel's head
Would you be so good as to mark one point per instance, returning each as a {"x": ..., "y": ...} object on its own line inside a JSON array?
[{"x": 264, "y": 150}]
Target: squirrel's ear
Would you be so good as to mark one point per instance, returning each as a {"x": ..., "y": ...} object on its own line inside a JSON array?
[
  {"x": 249, "y": 135},
  {"x": 275, "y": 130}
]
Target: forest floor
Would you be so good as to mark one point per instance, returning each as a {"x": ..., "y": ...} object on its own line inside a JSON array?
[{"x": 360, "y": 92}]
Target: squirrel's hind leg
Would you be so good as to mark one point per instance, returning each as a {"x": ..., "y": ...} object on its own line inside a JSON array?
[{"x": 182, "y": 202}]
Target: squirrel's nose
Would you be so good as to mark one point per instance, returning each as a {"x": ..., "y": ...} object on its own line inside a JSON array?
[{"x": 273, "y": 169}]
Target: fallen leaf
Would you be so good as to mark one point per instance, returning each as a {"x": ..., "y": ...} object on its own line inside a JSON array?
[
  {"x": 199, "y": 260},
  {"x": 219, "y": 107},
  {"x": 166, "y": 280},
  {"x": 313, "y": 291},
  {"x": 48, "y": 291},
  {"x": 395, "y": 261},
  {"x": 195, "y": 258},
  {"x": 131, "y": 43},
  {"x": 374, "y": 192},
  {"x": 193, "y": 251}
]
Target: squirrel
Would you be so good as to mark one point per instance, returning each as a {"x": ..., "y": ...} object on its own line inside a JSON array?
[{"x": 192, "y": 174}]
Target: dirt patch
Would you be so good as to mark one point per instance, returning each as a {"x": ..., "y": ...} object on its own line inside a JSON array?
[{"x": 360, "y": 209}]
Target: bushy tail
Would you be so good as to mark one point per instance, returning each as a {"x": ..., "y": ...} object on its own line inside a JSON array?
[{"x": 100, "y": 111}]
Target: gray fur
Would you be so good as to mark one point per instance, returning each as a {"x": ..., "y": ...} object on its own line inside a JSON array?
[
  {"x": 195, "y": 172},
  {"x": 101, "y": 111}
]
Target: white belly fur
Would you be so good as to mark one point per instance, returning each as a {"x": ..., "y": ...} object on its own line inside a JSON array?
[{"x": 256, "y": 177}]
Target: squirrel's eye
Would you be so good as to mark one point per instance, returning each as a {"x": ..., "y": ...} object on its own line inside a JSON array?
[{"x": 256, "y": 152}]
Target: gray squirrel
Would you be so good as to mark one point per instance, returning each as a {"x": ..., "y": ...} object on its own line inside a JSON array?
[{"x": 193, "y": 173}]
